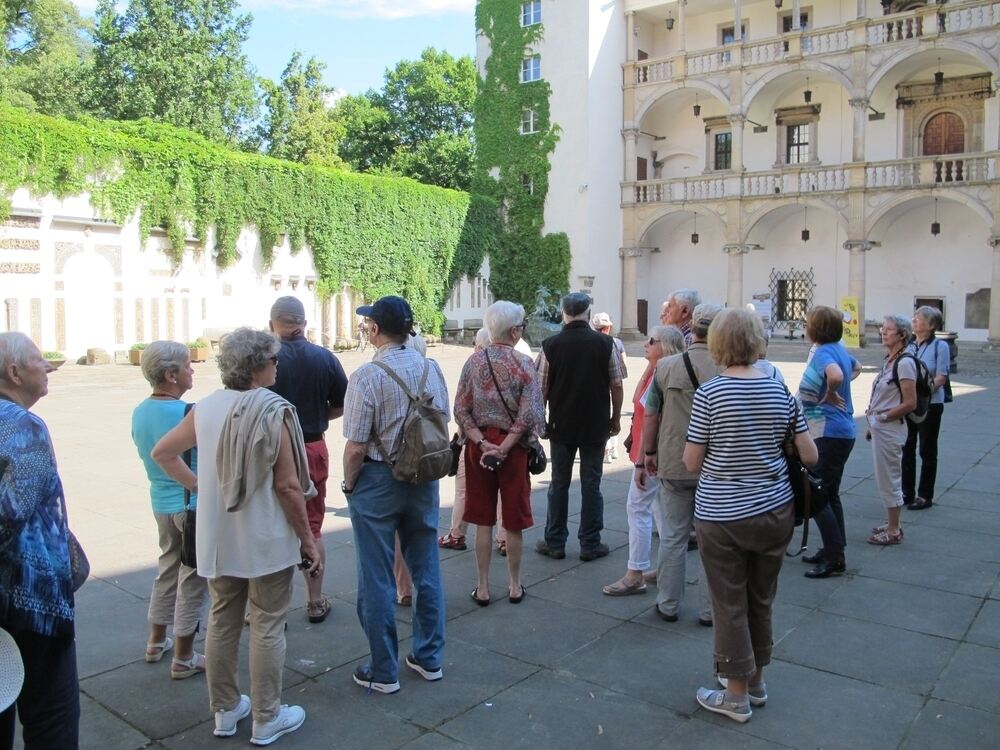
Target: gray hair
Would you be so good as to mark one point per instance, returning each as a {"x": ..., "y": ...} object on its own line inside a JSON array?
[
  {"x": 482, "y": 338},
  {"x": 161, "y": 358},
  {"x": 702, "y": 317},
  {"x": 903, "y": 325},
  {"x": 244, "y": 352},
  {"x": 687, "y": 297},
  {"x": 670, "y": 337},
  {"x": 15, "y": 348},
  {"x": 931, "y": 315},
  {"x": 500, "y": 317}
]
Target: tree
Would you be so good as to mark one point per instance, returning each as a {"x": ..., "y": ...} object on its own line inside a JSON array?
[
  {"x": 178, "y": 61},
  {"x": 445, "y": 159},
  {"x": 45, "y": 56},
  {"x": 297, "y": 124},
  {"x": 368, "y": 142}
]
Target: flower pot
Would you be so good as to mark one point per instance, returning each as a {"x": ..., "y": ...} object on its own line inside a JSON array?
[
  {"x": 135, "y": 356},
  {"x": 199, "y": 353},
  {"x": 539, "y": 330},
  {"x": 55, "y": 364}
]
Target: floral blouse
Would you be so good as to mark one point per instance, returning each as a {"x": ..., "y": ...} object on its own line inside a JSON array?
[{"x": 477, "y": 403}]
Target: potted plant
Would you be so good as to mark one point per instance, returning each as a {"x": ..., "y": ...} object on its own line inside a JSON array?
[
  {"x": 135, "y": 353},
  {"x": 201, "y": 349},
  {"x": 55, "y": 359},
  {"x": 546, "y": 318}
]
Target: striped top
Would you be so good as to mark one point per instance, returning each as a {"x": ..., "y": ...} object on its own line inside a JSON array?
[{"x": 742, "y": 423}]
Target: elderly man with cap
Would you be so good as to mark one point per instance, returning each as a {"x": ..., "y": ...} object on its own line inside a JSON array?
[
  {"x": 677, "y": 310},
  {"x": 36, "y": 575},
  {"x": 664, "y": 433},
  {"x": 374, "y": 410},
  {"x": 581, "y": 379},
  {"x": 313, "y": 381}
]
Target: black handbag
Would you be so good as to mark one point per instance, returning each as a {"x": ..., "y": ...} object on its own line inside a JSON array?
[
  {"x": 188, "y": 529},
  {"x": 809, "y": 490},
  {"x": 79, "y": 565},
  {"x": 456, "y": 446},
  {"x": 537, "y": 460}
]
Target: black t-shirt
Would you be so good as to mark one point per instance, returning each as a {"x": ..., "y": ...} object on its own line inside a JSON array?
[{"x": 312, "y": 380}]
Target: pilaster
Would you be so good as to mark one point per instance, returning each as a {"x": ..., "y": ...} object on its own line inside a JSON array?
[{"x": 993, "y": 336}]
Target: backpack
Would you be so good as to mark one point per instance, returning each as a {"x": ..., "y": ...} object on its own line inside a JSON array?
[
  {"x": 925, "y": 386},
  {"x": 423, "y": 452}
]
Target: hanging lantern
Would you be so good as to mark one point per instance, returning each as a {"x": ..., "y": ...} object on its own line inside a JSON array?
[
  {"x": 807, "y": 94},
  {"x": 805, "y": 222},
  {"x": 694, "y": 234},
  {"x": 935, "y": 225},
  {"x": 939, "y": 75},
  {"x": 777, "y": 4},
  {"x": 697, "y": 107},
  {"x": 670, "y": 21}
]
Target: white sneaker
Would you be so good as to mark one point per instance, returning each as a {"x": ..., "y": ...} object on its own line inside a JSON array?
[
  {"x": 226, "y": 721},
  {"x": 757, "y": 693},
  {"x": 289, "y": 719}
]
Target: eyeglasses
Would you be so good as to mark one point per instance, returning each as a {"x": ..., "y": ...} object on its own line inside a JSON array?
[
  {"x": 274, "y": 359},
  {"x": 652, "y": 341},
  {"x": 522, "y": 325}
]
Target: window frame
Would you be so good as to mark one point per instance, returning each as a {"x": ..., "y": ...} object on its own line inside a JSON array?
[
  {"x": 529, "y": 116},
  {"x": 531, "y": 68},
  {"x": 531, "y": 11},
  {"x": 787, "y": 117},
  {"x": 794, "y": 145}
]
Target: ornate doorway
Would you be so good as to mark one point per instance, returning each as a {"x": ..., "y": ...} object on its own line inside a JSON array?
[{"x": 944, "y": 133}]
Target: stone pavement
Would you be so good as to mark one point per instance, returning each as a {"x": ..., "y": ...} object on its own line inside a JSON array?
[{"x": 899, "y": 653}]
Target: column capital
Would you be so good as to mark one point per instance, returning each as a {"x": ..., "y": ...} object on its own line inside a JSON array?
[
  {"x": 859, "y": 102},
  {"x": 735, "y": 249},
  {"x": 634, "y": 252},
  {"x": 860, "y": 246},
  {"x": 737, "y": 119},
  {"x": 995, "y": 241},
  {"x": 630, "y": 132}
]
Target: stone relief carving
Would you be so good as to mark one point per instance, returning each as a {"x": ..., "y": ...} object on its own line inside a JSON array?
[
  {"x": 20, "y": 267},
  {"x": 18, "y": 243}
]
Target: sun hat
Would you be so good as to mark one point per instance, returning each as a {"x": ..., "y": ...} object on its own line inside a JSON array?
[{"x": 11, "y": 670}]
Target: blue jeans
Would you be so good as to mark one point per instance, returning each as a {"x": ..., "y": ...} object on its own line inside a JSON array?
[
  {"x": 592, "y": 504},
  {"x": 380, "y": 507},
  {"x": 833, "y": 455},
  {"x": 49, "y": 704}
]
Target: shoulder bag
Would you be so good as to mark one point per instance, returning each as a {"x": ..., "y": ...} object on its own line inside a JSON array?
[
  {"x": 537, "y": 460},
  {"x": 809, "y": 491},
  {"x": 188, "y": 528}
]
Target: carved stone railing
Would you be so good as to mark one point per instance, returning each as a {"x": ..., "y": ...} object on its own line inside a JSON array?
[
  {"x": 878, "y": 31},
  {"x": 923, "y": 172}
]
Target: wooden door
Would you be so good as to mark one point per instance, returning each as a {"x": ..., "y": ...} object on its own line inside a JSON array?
[
  {"x": 640, "y": 168},
  {"x": 642, "y": 313},
  {"x": 944, "y": 134}
]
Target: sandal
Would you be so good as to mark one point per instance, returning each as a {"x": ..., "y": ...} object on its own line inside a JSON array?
[
  {"x": 182, "y": 669},
  {"x": 502, "y": 547},
  {"x": 155, "y": 651},
  {"x": 622, "y": 588},
  {"x": 318, "y": 610},
  {"x": 406, "y": 600},
  {"x": 450, "y": 541},
  {"x": 884, "y": 538},
  {"x": 885, "y": 527}
]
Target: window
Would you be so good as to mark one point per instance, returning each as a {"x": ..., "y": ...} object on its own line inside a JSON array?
[
  {"x": 528, "y": 184},
  {"x": 786, "y": 22},
  {"x": 792, "y": 292},
  {"x": 529, "y": 122},
  {"x": 531, "y": 68},
  {"x": 531, "y": 12},
  {"x": 727, "y": 35},
  {"x": 723, "y": 150},
  {"x": 797, "y": 145}
]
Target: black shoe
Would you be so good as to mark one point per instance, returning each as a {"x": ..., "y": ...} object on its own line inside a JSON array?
[
  {"x": 542, "y": 548},
  {"x": 705, "y": 622},
  {"x": 815, "y": 557},
  {"x": 825, "y": 569},
  {"x": 601, "y": 550},
  {"x": 664, "y": 616},
  {"x": 920, "y": 504}
]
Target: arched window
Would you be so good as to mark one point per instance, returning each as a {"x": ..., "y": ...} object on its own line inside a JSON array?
[{"x": 944, "y": 133}]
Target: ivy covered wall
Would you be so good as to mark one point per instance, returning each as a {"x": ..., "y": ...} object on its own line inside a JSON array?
[
  {"x": 381, "y": 235},
  {"x": 511, "y": 167}
]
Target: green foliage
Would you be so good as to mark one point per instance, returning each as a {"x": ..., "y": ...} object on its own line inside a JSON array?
[
  {"x": 53, "y": 355},
  {"x": 297, "y": 124},
  {"x": 368, "y": 142},
  {"x": 176, "y": 61},
  {"x": 519, "y": 163},
  {"x": 444, "y": 159},
  {"x": 138, "y": 347},
  {"x": 45, "y": 59},
  {"x": 380, "y": 235}
]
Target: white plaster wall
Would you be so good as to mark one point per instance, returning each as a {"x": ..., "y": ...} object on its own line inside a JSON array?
[{"x": 470, "y": 297}]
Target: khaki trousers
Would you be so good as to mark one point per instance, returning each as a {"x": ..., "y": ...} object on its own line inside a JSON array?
[
  {"x": 742, "y": 560},
  {"x": 179, "y": 593},
  {"x": 269, "y": 597}
]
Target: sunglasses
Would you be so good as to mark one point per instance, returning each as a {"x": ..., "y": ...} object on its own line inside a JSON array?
[{"x": 652, "y": 341}]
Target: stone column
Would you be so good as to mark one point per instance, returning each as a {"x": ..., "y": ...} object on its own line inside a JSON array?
[
  {"x": 796, "y": 15},
  {"x": 630, "y": 291},
  {"x": 739, "y": 21},
  {"x": 630, "y": 45},
  {"x": 682, "y": 23},
  {"x": 631, "y": 151},
  {"x": 860, "y": 107},
  {"x": 737, "y": 122},
  {"x": 993, "y": 337},
  {"x": 856, "y": 276},
  {"x": 862, "y": 9},
  {"x": 734, "y": 293},
  {"x": 345, "y": 317}
]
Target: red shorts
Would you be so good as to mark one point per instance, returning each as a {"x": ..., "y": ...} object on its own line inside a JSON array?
[
  {"x": 511, "y": 482},
  {"x": 318, "y": 458}
]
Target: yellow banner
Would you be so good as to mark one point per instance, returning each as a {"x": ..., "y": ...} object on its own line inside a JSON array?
[{"x": 852, "y": 322}]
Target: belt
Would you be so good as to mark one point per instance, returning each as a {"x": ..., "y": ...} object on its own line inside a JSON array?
[
  {"x": 370, "y": 460},
  {"x": 312, "y": 437}
]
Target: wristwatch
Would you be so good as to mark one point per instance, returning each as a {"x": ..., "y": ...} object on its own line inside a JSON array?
[{"x": 344, "y": 488}]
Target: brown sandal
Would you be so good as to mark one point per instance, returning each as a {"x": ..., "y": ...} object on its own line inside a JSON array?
[
  {"x": 502, "y": 547},
  {"x": 884, "y": 538},
  {"x": 318, "y": 610}
]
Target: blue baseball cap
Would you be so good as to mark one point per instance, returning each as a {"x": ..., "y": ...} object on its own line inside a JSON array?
[{"x": 393, "y": 315}]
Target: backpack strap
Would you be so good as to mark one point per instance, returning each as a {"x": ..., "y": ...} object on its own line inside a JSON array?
[
  {"x": 413, "y": 398},
  {"x": 187, "y": 462},
  {"x": 513, "y": 417},
  {"x": 690, "y": 369}
]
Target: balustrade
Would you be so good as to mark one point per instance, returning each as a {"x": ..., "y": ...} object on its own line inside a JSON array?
[{"x": 971, "y": 17}]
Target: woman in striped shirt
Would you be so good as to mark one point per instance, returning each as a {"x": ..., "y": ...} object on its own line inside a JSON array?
[{"x": 743, "y": 509}]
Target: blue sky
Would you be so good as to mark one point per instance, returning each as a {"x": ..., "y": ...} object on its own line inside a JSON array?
[{"x": 357, "y": 39}]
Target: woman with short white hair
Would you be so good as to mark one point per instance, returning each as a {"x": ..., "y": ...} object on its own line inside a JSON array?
[
  {"x": 179, "y": 593},
  {"x": 498, "y": 405}
]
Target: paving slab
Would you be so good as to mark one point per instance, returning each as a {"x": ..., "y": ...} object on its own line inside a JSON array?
[
  {"x": 941, "y": 724},
  {"x": 911, "y": 564},
  {"x": 967, "y": 678}
]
